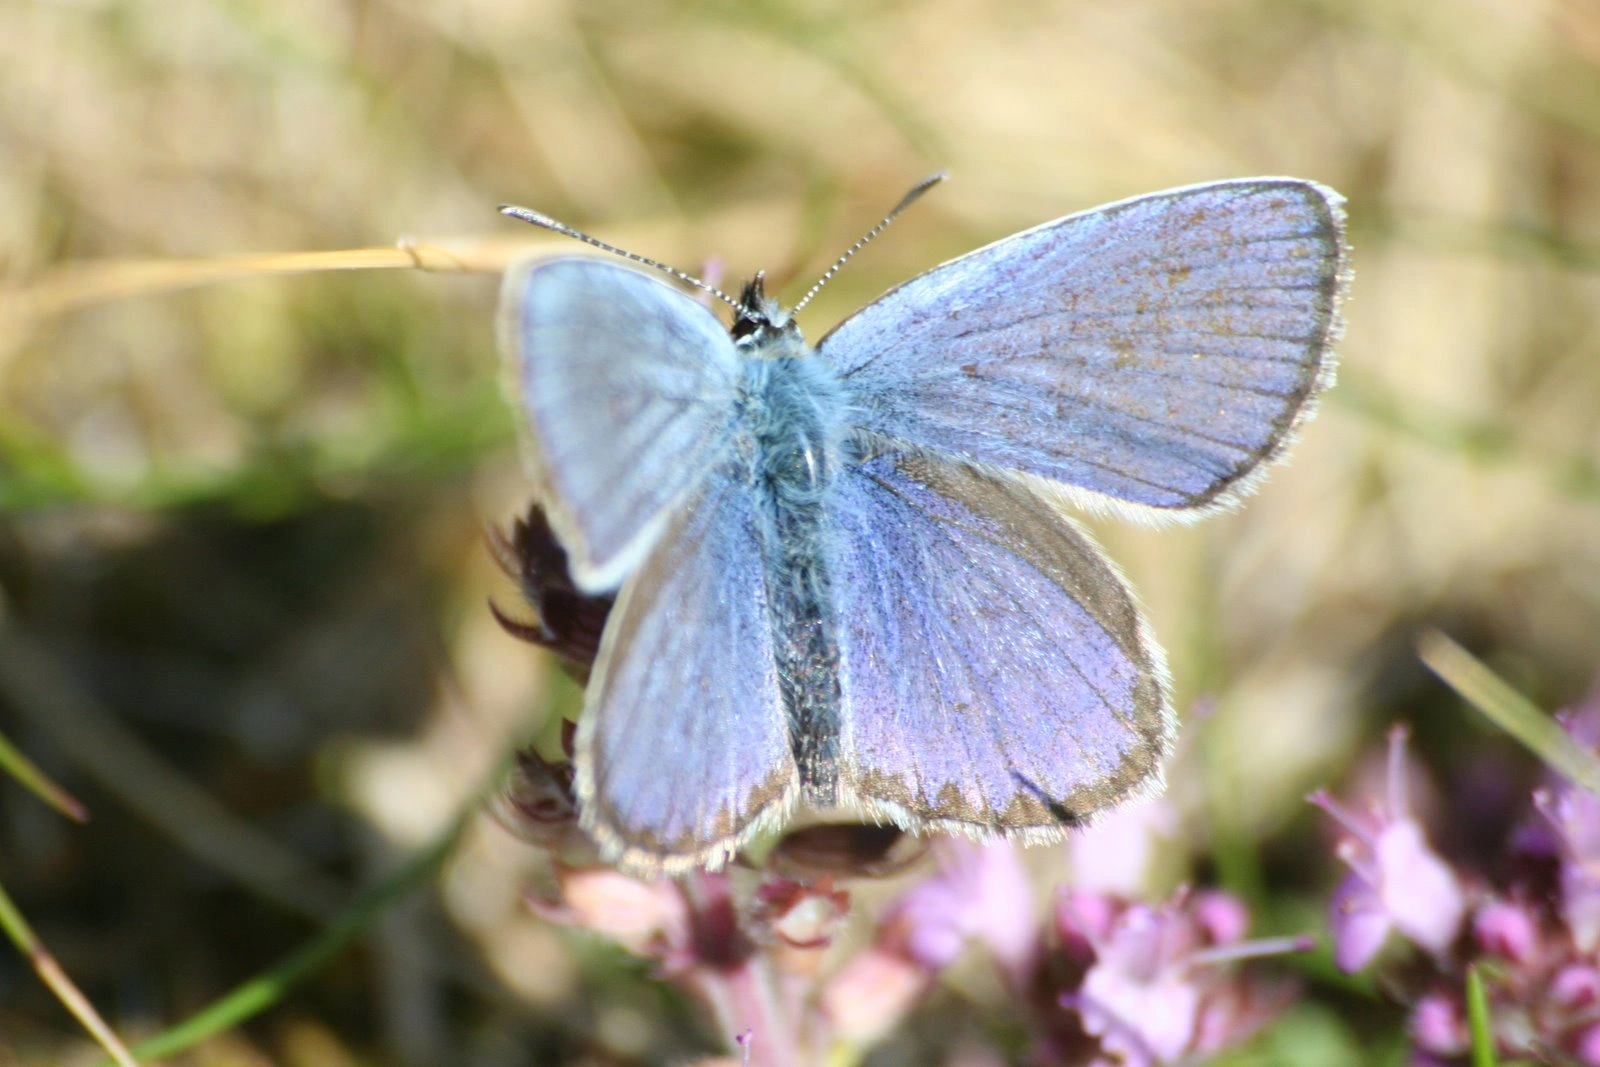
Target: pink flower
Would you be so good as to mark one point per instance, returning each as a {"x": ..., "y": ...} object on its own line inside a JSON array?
[
  {"x": 980, "y": 894},
  {"x": 1158, "y": 990},
  {"x": 1576, "y": 987},
  {"x": 1358, "y": 922},
  {"x": 646, "y": 918},
  {"x": 872, "y": 993},
  {"x": 1534, "y": 950},
  {"x": 1505, "y": 930},
  {"x": 1587, "y": 1047},
  {"x": 1397, "y": 881},
  {"x": 1439, "y": 1026},
  {"x": 1568, "y": 831},
  {"x": 1574, "y": 819}
]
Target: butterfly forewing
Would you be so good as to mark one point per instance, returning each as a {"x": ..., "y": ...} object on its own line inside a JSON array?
[
  {"x": 1154, "y": 352},
  {"x": 996, "y": 673},
  {"x": 629, "y": 389},
  {"x": 683, "y": 749}
]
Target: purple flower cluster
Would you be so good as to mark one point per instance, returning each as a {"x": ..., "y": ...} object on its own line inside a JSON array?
[
  {"x": 1533, "y": 938},
  {"x": 1098, "y": 978},
  {"x": 1396, "y": 883},
  {"x": 1158, "y": 982}
]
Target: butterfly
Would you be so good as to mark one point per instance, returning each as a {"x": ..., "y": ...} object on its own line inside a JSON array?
[{"x": 846, "y": 575}]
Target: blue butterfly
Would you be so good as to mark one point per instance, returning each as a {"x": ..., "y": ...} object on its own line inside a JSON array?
[{"x": 845, "y": 573}]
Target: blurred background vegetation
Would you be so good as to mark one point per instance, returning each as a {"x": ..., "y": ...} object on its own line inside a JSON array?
[{"x": 242, "y": 567}]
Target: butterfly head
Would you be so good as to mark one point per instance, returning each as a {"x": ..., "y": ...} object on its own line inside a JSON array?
[
  {"x": 761, "y": 327},
  {"x": 761, "y": 324}
]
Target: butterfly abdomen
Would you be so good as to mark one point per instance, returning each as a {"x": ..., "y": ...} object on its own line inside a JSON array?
[{"x": 793, "y": 410}]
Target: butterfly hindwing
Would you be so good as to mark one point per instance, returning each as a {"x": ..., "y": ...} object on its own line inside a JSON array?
[
  {"x": 996, "y": 674},
  {"x": 1154, "y": 352},
  {"x": 629, "y": 389},
  {"x": 683, "y": 752}
]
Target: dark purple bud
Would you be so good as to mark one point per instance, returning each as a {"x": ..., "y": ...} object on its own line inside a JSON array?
[
  {"x": 566, "y": 620},
  {"x": 537, "y": 803}
]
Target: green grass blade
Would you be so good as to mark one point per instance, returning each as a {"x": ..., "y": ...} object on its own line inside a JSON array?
[
  {"x": 20, "y": 767},
  {"x": 1509, "y": 709},
  {"x": 1478, "y": 1021},
  {"x": 50, "y": 973},
  {"x": 265, "y": 990}
]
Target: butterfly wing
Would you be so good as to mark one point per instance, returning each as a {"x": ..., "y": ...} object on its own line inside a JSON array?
[
  {"x": 682, "y": 753},
  {"x": 629, "y": 390},
  {"x": 996, "y": 674},
  {"x": 1153, "y": 352}
]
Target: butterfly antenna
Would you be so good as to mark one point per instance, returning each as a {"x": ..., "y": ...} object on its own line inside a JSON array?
[
  {"x": 548, "y": 223},
  {"x": 905, "y": 201}
]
